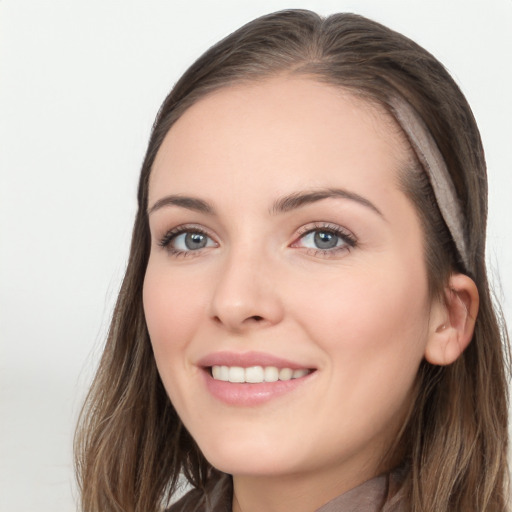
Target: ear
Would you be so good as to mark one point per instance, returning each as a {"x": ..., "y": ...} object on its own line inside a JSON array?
[{"x": 452, "y": 321}]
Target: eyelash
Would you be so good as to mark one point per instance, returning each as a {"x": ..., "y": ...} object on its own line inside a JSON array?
[
  {"x": 344, "y": 235},
  {"x": 172, "y": 234}
]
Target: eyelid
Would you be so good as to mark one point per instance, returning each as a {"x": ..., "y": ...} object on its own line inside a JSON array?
[
  {"x": 326, "y": 226},
  {"x": 345, "y": 235},
  {"x": 171, "y": 234},
  {"x": 349, "y": 239}
]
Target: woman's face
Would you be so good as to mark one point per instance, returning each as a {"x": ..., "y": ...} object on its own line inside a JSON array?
[{"x": 282, "y": 246}]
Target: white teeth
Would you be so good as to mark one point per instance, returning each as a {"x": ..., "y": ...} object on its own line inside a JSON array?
[
  {"x": 217, "y": 372},
  {"x": 220, "y": 373},
  {"x": 271, "y": 374},
  {"x": 297, "y": 374},
  {"x": 236, "y": 374},
  {"x": 224, "y": 373},
  {"x": 285, "y": 373},
  {"x": 256, "y": 374}
]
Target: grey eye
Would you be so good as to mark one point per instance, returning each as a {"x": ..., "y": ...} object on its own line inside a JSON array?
[
  {"x": 195, "y": 241},
  {"x": 318, "y": 239},
  {"x": 191, "y": 241},
  {"x": 325, "y": 240}
]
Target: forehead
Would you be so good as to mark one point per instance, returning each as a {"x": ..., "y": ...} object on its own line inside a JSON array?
[{"x": 278, "y": 130}]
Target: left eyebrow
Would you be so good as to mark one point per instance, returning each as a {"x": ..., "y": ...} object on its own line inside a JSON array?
[
  {"x": 300, "y": 199},
  {"x": 189, "y": 203}
]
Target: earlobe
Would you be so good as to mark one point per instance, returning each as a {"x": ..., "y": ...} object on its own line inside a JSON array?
[{"x": 452, "y": 322}]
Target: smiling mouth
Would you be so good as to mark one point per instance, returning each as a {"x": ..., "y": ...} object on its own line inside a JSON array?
[{"x": 256, "y": 374}]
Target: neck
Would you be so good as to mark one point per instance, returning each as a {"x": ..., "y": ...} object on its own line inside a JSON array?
[{"x": 300, "y": 493}]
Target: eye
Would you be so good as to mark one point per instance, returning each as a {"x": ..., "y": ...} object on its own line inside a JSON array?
[
  {"x": 183, "y": 240},
  {"x": 321, "y": 240},
  {"x": 325, "y": 239}
]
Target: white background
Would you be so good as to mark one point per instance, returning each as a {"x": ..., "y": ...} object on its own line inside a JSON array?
[{"x": 80, "y": 84}]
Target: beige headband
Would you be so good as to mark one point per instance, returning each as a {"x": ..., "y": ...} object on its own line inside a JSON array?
[{"x": 434, "y": 165}]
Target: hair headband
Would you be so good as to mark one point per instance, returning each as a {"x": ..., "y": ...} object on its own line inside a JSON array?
[{"x": 434, "y": 165}]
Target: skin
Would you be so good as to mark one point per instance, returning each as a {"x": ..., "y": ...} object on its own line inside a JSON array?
[{"x": 359, "y": 314}]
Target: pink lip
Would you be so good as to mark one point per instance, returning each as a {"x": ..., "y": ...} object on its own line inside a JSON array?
[
  {"x": 247, "y": 359},
  {"x": 245, "y": 394}
]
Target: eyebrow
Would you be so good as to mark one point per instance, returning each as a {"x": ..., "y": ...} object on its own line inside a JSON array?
[
  {"x": 299, "y": 199},
  {"x": 190, "y": 203},
  {"x": 282, "y": 205}
]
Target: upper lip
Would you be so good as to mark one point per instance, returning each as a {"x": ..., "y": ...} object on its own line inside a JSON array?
[{"x": 248, "y": 359}]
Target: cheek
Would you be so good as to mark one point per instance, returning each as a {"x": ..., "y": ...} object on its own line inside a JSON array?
[
  {"x": 373, "y": 332},
  {"x": 171, "y": 311},
  {"x": 372, "y": 326}
]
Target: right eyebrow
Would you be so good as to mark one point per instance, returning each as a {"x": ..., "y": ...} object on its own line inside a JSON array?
[
  {"x": 190, "y": 203},
  {"x": 300, "y": 199}
]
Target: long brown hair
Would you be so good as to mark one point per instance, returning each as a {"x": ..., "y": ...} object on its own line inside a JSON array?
[{"x": 131, "y": 447}]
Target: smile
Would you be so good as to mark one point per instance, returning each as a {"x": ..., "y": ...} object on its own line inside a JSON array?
[
  {"x": 256, "y": 374},
  {"x": 250, "y": 379}
]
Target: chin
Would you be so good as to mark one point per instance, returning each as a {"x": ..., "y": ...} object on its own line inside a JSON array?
[
  {"x": 247, "y": 457},
  {"x": 258, "y": 466}
]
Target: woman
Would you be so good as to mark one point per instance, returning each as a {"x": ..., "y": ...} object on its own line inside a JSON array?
[{"x": 305, "y": 321}]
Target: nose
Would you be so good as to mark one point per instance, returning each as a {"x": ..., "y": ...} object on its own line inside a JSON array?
[{"x": 245, "y": 295}]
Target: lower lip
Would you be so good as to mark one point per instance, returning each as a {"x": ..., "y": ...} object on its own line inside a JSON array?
[{"x": 247, "y": 394}]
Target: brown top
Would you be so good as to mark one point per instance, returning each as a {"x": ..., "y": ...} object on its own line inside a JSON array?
[{"x": 380, "y": 494}]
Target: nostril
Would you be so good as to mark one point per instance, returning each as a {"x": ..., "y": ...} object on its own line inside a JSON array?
[{"x": 254, "y": 318}]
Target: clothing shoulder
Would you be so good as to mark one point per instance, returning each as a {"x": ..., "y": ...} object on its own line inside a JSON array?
[
  {"x": 192, "y": 501},
  {"x": 215, "y": 497},
  {"x": 380, "y": 494}
]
